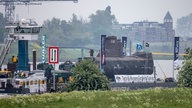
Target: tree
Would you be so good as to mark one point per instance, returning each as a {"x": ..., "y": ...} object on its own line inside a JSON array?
[
  {"x": 79, "y": 32},
  {"x": 75, "y": 32},
  {"x": 88, "y": 76},
  {"x": 184, "y": 26},
  {"x": 53, "y": 31},
  {"x": 185, "y": 74},
  {"x": 101, "y": 23}
]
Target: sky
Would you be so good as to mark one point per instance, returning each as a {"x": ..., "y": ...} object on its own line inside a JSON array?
[{"x": 126, "y": 11}]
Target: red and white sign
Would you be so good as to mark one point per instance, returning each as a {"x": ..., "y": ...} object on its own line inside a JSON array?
[{"x": 53, "y": 55}]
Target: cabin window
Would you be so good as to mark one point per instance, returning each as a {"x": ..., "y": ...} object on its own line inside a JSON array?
[
  {"x": 27, "y": 83},
  {"x": 27, "y": 30},
  {"x": 22, "y": 30},
  {"x": 112, "y": 41},
  {"x": 43, "y": 81},
  {"x": 40, "y": 81},
  {"x": 16, "y": 30},
  {"x": 31, "y": 82},
  {"x": 36, "y": 30},
  {"x": 35, "y": 82},
  {"x": 17, "y": 82},
  {"x": 11, "y": 30},
  {"x": 20, "y": 83}
]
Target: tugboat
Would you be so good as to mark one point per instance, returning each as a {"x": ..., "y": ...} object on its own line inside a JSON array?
[{"x": 18, "y": 78}]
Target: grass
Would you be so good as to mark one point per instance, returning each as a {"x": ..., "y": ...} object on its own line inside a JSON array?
[{"x": 149, "y": 98}]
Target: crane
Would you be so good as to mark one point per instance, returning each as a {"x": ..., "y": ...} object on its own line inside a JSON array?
[
  {"x": 22, "y": 43},
  {"x": 10, "y": 6}
]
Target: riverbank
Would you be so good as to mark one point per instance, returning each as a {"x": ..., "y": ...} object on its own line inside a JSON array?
[{"x": 148, "y": 98}]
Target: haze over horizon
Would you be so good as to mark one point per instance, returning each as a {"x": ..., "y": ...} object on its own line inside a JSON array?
[{"x": 126, "y": 11}]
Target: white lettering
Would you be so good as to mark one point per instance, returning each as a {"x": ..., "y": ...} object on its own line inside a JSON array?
[{"x": 134, "y": 78}]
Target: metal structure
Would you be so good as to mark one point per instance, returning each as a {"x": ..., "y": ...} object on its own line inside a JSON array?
[
  {"x": 10, "y": 6},
  {"x": 22, "y": 31},
  {"x": 13, "y": 34},
  {"x": 5, "y": 49}
]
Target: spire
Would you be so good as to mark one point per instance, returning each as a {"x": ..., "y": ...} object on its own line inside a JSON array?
[{"x": 168, "y": 16}]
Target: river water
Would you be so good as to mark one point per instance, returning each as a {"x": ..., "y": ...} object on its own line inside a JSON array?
[{"x": 164, "y": 68}]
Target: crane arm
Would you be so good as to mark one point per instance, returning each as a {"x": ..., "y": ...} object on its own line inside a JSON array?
[
  {"x": 53, "y": 0},
  {"x": 27, "y": 1}
]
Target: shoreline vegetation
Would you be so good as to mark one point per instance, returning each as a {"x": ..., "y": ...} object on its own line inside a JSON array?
[{"x": 146, "y": 98}]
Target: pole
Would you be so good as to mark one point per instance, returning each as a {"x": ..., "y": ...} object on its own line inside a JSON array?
[
  {"x": 130, "y": 48},
  {"x": 154, "y": 71},
  {"x": 102, "y": 51},
  {"x": 176, "y": 54},
  {"x": 100, "y": 59},
  {"x": 82, "y": 53},
  {"x": 173, "y": 71},
  {"x": 34, "y": 59},
  {"x": 39, "y": 87},
  {"x": 143, "y": 45},
  {"x": 54, "y": 78},
  {"x": 173, "y": 56}
]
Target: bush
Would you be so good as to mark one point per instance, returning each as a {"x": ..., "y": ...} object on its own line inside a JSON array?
[
  {"x": 185, "y": 74},
  {"x": 88, "y": 76}
]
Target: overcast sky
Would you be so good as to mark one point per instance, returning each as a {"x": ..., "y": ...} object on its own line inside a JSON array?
[{"x": 126, "y": 11}]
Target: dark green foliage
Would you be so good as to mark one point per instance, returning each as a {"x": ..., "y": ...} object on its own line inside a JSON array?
[
  {"x": 88, "y": 76},
  {"x": 185, "y": 74},
  {"x": 188, "y": 51}
]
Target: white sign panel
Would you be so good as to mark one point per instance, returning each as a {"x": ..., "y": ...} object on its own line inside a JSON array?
[
  {"x": 134, "y": 78},
  {"x": 53, "y": 55}
]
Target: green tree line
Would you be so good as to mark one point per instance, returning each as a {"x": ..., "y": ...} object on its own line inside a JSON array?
[
  {"x": 77, "y": 31},
  {"x": 184, "y": 26},
  {"x": 80, "y": 32}
]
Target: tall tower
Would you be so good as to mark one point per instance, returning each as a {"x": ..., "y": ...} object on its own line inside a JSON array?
[
  {"x": 168, "y": 25},
  {"x": 168, "y": 22}
]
